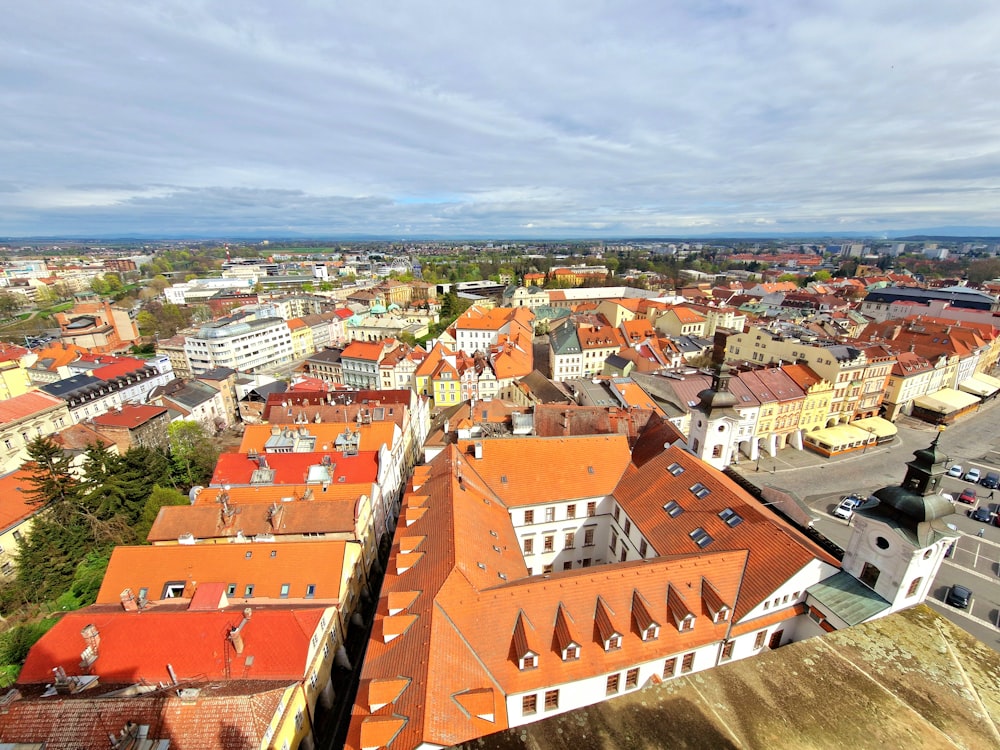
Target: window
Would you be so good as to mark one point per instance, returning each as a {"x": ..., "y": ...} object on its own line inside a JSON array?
[
  {"x": 572, "y": 652},
  {"x": 570, "y": 538},
  {"x": 551, "y": 699},
  {"x": 8, "y": 445},
  {"x": 284, "y": 591},
  {"x": 530, "y": 661},
  {"x": 588, "y": 537},
  {"x": 529, "y": 705},
  {"x": 592, "y": 509},
  {"x": 614, "y": 642},
  {"x": 687, "y": 663},
  {"x": 673, "y": 509},
  {"x": 730, "y": 517},
  {"x": 529, "y": 516},
  {"x": 914, "y": 585},
  {"x": 632, "y": 678},
  {"x": 586, "y": 562},
  {"x": 231, "y": 589},
  {"x": 568, "y": 565},
  {"x": 571, "y": 510},
  {"x": 624, "y": 555},
  {"x": 173, "y": 589},
  {"x": 611, "y": 688},
  {"x": 727, "y": 650},
  {"x": 675, "y": 469},
  {"x": 759, "y": 640},
  {"x": 546, "y": 569},
  {"x": 643, "y": 548},
  {"x": 700, "y": 491},
  {"x": 248, "y": 591},
  {"x": 550, "y": 514},
  {"x": 529, "y": 546},
  {"x": 669, "y": 667},
  {"x": 310, "y": 590},
  {"x": 298, "y": 719},
  {"x": 628, "y": 527},
  {"x": 618, "y": 512},
  {"x": 8, "y": 568},
  {"x": 548, "y": 543},
  {"x": 701, "y": 537},
  {"x": 17, "y": 536}
]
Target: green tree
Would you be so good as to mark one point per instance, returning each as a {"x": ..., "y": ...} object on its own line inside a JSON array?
[
  {"x": 158, "y": 498},
  {"x": 52, "y": 481},
  {"x": 10, "y": 303},
  {"x": 192, "y": 453}
]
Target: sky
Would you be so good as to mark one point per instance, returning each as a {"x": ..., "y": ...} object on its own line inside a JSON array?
[{"x": 467, "y": 118}]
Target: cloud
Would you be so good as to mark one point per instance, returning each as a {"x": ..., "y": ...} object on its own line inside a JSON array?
[{"x": 474, "y": 118}]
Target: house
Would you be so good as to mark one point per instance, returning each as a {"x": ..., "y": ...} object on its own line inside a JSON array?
[
  {"x": 16, "y": 514},
  {"x": 97, "y": 327},
  {"x": 195, "y": 401},
  {"x": 24, "y": 418},
  {"x": 134, "y": 426},
  {"x": 614, "y": 572}
]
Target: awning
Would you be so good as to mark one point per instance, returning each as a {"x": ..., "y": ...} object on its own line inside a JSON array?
[
  {"x": 988, "y": 379},
  {"x": 838, "y": 437},
  {"x": 881, "y": 428},
  {"x": 946, "y": 401},
  {"x": 976, "y": 387}
]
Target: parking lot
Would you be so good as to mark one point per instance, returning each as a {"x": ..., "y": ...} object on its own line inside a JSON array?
[{"x": 975, "y": 560}]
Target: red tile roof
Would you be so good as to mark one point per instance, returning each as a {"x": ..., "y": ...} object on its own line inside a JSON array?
[
  {"x": 129, "y": 415},
  {"x": 26, "y": 405},
  {"x": 14, "y": 505},
  {"x": 292, "y": 468},
  {"x": 137, "y": 647}
]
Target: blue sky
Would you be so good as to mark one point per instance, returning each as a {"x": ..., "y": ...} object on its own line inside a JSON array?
[{"x": 469, "y": 118}]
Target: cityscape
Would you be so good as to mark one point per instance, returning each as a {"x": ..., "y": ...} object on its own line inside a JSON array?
[
  {"x": 522, "y": 376},
  {"x": 364, "y": 495}
]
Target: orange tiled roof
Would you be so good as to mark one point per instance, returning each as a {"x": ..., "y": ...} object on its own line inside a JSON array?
[
  {"x": 14, "y": 505},
  {"x": 266, "y": 567},
  {"x": 26, "y": 405},
  {"x": 372, "y": 435},
  {"x": 136, "y": 647}
]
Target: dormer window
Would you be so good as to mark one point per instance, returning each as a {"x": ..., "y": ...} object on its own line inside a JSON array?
[
  {"x": 613, "y": 643},
  {"x": 721, "y": 616},
  {"x": 686, "y": 623},
  {"x": 571, "y": 652},
  {"x": 651, "y": 633},
  {"x": 528, "y": 661}
]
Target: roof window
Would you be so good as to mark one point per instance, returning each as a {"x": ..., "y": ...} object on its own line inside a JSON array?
[
  {"x": 731, "y": 517},
  {"x": 701, "y": 537},
  {"x": 673, "y": 509},
  {"x": 700, "y": 491},
  {"x": 675, "y": 469}
]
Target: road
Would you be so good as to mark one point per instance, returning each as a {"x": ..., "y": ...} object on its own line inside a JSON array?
[{"x": 975, "y": 562}]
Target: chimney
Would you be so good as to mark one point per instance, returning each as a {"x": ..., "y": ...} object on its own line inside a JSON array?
[
  {"x": 478, "y": 449},
  {"x": 235, "y": 635},
  {"x": 129, "y": 603}
]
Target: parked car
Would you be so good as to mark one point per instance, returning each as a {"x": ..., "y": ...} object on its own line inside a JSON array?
[
  {"x": 955, "y": 471},
  {"x": 968, "y": 496},
  {"x": 845, "y": 509},
  {"x": 973, "y": 475},
  {"x": 991, "y": 481},
  {"x": 980, "y": 514},
  {"x": 959, "y": 596}
]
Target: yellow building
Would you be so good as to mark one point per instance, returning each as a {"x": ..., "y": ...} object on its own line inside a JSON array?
[
  {"x": 14, "y": 380},
  {"x": 302, "y": 338}
]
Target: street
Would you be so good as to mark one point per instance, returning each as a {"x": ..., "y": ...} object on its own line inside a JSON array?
[{"x": 975, "y": 561}]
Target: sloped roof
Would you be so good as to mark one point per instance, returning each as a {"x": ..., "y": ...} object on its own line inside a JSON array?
[
  {"x": 233, "y": 715},
  {"x": 137, "y": 646},
  {"x": 26, "y": 405},
  {"x": 293, "y": 468},
  {"x": 776, "y": 549},
  {"x": 129, "y": 415},
  {"x": 265, "y": 566},
  {"x": 372, "y": 436},
  {"x": 14, "y": 505}
]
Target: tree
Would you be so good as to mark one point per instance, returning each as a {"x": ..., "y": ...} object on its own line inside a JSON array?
[
  {"x": 192, "y": 453},
  {"x": 52, "y": 481},
  {"x": 10, "y": 303},
  {"x": 158, "y": 498}
]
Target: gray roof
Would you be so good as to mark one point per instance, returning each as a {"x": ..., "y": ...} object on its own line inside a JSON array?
[
  {"x": 848, "y": 598},
  {"x": 911, "y": 679},
  {"x": 217, "y": 373},
  {"x": 564, "y": 340},
  {"x": 66, "y": 387}
]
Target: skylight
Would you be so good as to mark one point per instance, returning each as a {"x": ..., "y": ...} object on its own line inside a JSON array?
[
  {"x": 676, "y": 469},
  {"x": 673, "y": 509},
  {"x": 701, "y": 537},
  {"x": 731, "y": 517},
  {"x": 700, "y": 491}
]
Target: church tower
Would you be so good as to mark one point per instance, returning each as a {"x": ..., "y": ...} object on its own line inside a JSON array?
[
  {"x": 711, "y": 436},
  {"x": 899, "y": 538}
]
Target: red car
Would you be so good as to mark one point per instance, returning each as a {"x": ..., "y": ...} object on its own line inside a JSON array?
[{"x": 968, "y": 496}]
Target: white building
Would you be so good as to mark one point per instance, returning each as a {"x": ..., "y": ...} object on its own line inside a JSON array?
[{"x": 244, "y": 345}]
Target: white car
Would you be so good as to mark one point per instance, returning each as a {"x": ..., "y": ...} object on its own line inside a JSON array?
[
  {"x": 845, "y": 509},
  {"x": 955, "y": 471},
  {"x": 973, "y": 475}
]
